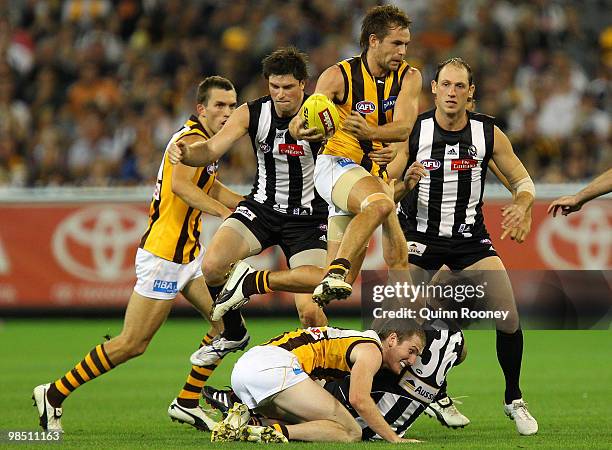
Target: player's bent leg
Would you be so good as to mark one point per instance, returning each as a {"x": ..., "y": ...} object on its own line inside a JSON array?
[
  {"x": 310, "y": 314},
  {"x": 143, "y": 318},
  {"x": 316, "y": 414},
  {"x": 232, "y": 242}
]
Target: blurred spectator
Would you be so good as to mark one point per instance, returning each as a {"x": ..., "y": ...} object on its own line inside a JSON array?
[{"x": 91, "y": 90}]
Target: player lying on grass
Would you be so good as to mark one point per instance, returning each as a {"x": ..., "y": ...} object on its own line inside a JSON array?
[
  {"x": 277, "y": 379},
  {"x": 400, "y": 400}
]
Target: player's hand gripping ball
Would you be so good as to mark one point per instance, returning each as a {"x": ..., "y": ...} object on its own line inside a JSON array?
[{"x": 319, "y": 112}]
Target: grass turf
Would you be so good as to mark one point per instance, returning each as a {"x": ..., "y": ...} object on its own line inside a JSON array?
[{"x": 567, "y": 378}]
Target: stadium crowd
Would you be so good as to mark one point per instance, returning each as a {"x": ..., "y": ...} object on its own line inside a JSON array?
[{"x": 90, "y": 90}]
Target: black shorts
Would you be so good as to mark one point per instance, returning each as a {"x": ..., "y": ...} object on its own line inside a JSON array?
[
  {"x": 292, "y": 233},
  {"x": 431, "y": 253}
]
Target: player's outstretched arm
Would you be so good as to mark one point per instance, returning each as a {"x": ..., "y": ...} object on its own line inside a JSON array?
[
  {"x": 520, "y": 232},
  {"x": 184, "y": 185},
  {"x": 367, "y": 361},
  {"x": 201, "y": 152},
  {"x": 518, "y": 178},
  {"x": 571, "y": 203}
]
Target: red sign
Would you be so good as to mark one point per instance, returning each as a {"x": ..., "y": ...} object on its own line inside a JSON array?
[
  {"x": 82, "y": 254},
  {"x": 291, "y": 149},
  {"x": 463, "y": 164}
]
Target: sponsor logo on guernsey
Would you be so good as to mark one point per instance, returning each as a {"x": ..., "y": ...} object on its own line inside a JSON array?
[
  {"x": 345, "y": 162},
  {"x": 327, "y": 121},
  {"x": 431, "y": 164},
  {"x": 315, "y": 333},
  {"x": 167, "y": 287},
  {"x": 463, "y": 164},
  {"x": 389, "y": 103},
  {"x": 465, "y": 228},
  {"x": 246, "y": 212},
  {"x": 451, "y": 152},
  {"x": 416, "y": 248},
  {"x": 291, "y": 149},
  {"x": 417, "y": 388},
  {"x": 365, "y": 107},
  {"x": 280, "y": 134}
]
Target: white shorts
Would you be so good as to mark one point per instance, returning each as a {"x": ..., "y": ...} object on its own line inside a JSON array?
[
  {"x": 327, "y": 172},
  {"x": 160, "y": 279},
  {"x": 263, "y": 371}
]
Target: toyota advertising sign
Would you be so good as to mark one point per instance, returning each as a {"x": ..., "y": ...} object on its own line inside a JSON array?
[{"x": 65, "y": 255}]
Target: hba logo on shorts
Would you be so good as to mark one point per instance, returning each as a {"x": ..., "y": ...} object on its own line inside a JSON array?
[
  {"x": 345, "y": 162},
  {"x": 167, "y": 287},
  {"x": 431, "y": 164},
  {"x": 246, "y": 212},
  {"x": 365, "y": 107}
]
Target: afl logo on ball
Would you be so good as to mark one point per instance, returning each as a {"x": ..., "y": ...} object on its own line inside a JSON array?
[{"x": 365, "y": 107}]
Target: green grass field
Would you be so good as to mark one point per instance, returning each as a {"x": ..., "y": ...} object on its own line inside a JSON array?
[{"x": 567, "y": 380}]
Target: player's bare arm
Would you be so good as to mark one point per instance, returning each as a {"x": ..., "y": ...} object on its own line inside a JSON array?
[
  {"x": 331, "y": 84},
  {"x": 518, "y": 233},
  {"x": 571, "y": 203},
  {"x": 184, "y": 185},
  {"x": 404, "y": 115},
  {"x": 367, "y": 360},
  {"x": 518, "y": 178},
  {"x": 225, "y": 195},
  {"x": 201, "y": 152}
]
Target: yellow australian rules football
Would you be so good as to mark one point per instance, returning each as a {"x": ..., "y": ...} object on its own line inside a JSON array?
[{"x": 319, "y": 112}]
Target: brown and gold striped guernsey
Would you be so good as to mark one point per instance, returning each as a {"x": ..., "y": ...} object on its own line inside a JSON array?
[
  {"x": 173, "y": 230},
  {"x": 375, "y": 99},
  {"x": 324, "y": 352}
]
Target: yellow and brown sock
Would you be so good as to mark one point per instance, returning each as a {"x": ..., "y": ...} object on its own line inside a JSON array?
[
  {"x": 92, "y": 366},
  {"x": 281, "y": 429},
  {"x": 189, "y": 397},
  {"x": 339, "y": 266},
  {"x": 256, "y": 283}
]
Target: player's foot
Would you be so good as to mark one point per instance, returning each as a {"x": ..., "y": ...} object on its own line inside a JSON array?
[
  {"x": 217, "y": 349},
  {"x": 230, "y": 428},
  {"x": 331, "y": 287},
  {"x": 447, "y": 413},
  {"x": 232, "y": 297},
  {"x": 525, "y": 423},
  {"x": 50, "y": 417},
  {"x": 196, "y": 417},
  {"x": 253, "y": 433},
  {"x": 220, "y": 399}
]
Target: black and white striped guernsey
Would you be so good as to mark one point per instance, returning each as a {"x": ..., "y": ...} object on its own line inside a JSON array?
[
  {"x": 285, "y": 167},
  {"x": 402, "y": 399},
  {"x": 448, "y": 202}
]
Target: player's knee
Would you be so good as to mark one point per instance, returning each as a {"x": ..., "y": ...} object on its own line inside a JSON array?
[
  {"x": 214, "y": 269},
  {"x": 132, "y": 347},
  {"x": 381, "y": 208},
  {"x": 353, "y": 433}
]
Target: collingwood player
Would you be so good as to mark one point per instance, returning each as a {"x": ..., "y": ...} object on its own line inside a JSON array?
[
  {"x": 443, "y": 221},
  {"x": 168, "y": 261},
  {"x": 283, "y": 207}
]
